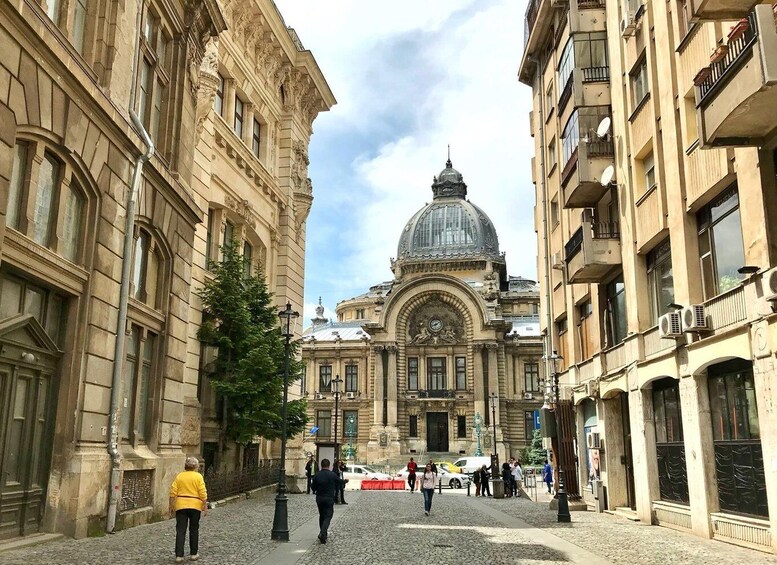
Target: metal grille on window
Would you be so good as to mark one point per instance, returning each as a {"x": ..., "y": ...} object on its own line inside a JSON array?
[{"x": 137, "y": 489}]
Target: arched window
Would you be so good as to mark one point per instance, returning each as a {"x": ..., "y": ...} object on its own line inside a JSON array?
[
  {"x": 46, "y": 201},
  {"x": 145, "y": 271}
]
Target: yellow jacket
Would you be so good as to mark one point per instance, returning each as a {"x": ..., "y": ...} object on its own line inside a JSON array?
[{"x": 188, "y": 490}]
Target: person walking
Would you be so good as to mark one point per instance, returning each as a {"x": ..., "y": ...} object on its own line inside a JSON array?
[
  {"x": 310, "y": 470},
  {"x": 547, "y": 475},
  {"x": 188, "y": 501},
  {"x": 507, "y": 479},
  {"x": 517, "y": 478},
  {"x": 343, "y": 480},
  {"x": 428, "y": 480},
  {"x": 476, "y": 480},
  {"x": 412, "y": 466},
  {"x": 485, "y": 488},
  {"x": 434, "y": 467},
  {"x": 325, "y": 485}
]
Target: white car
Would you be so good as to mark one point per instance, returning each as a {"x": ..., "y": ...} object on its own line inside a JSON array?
[
  {"x": 363, "y": 472},
  {"x": 451, "y": 480}
]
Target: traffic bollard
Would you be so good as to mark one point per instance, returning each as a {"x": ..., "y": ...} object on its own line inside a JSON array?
[{"x": 468, "y": 485}]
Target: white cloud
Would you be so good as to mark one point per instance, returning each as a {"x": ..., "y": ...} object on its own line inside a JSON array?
[{"x": 457, "y": 86}]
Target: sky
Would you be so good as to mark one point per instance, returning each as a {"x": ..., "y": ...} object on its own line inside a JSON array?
[{"x": 411, "y": 77}]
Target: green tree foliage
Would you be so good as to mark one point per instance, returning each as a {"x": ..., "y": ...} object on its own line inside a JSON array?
[
  {"x": 535, "y": 455},
  {"x": 239, "y": 319}
]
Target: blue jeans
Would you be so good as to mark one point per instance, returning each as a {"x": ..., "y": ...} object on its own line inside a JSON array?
[{"x": 428, "y": 494}]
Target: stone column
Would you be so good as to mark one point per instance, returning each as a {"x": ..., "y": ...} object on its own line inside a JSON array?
[
  {"x": 699, "y": 452},
  {"x": 392, "y": 385},
  {"x": 643, "y": 449},
  {"x": 512, "y": 390},
  {"x": 378, "y": 387}
]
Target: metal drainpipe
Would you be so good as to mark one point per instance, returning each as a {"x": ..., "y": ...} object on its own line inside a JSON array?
[{"x": 126, "y": 273}]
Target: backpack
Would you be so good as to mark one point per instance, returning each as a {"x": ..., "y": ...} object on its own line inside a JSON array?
[{"x": 476, "y": 477}]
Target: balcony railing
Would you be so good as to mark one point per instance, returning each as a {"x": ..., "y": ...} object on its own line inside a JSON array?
[
  {"x": 436, "y": 394},
  {"x": 728, "y": 308},
  {"x": 590, "y": 4},
  {"x": 738, "y": 50},
  {"x": 596, "y": 74},
  {"x": 601, "y": 149},
  {"x": 531, "y": 18}
]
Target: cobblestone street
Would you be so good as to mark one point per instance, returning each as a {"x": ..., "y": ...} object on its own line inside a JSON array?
[{"x": 390, "y": 528}]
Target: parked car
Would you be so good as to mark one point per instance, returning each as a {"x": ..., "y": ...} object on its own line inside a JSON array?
[
  {"x": 363, "y": 472},
  {"x": 470, "y": 464},
  {"x": 450, "y": 480}
]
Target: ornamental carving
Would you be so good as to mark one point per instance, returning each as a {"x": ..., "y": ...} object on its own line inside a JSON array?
[
  {"x": 242, "y": 208},
  {"x": 207, "y": 81},
  {"x": 435, "y": 323}
]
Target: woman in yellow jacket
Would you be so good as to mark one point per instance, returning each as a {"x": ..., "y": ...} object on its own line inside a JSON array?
[{"x": 188, "y": 499}]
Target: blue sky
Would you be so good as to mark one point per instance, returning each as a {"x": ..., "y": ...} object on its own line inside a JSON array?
[{"x": 411, "y": 77}]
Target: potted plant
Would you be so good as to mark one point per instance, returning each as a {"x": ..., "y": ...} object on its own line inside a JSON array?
[
  {"x": 738, "y": 30},
  {"x": 719, "y": 54},
  {"x": 703, "y": 74}
]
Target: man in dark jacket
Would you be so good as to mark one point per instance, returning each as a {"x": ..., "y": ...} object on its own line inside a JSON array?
[
  {"x": 310, "y": 470},
  {"x": 325, "y": 485},
  {"x": 485, "y": 489}
]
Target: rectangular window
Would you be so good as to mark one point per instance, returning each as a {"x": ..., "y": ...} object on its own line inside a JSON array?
[
  {"x": 360, "y": 313},
  {"x": 649, "y": 167},
  {"x": 325, "y": 378},
  {"x": 238, "y": 116},
  {"x": 209, "y": 255},
  {"x": 585, "y": 309},
  {"x": 660, "y": 280},
  {"x": 53, "y": 10},
  {"x": 531, "y": 376},
  {"x": 435, "y": 373},
  {"x": 248, "y": 256},
  {"x": 615, "y": 312},
  {"x": 129, "y": 383},
  {"x": 256, "y": 137},
  {"x": 461, "y": 373},
  {"x": 154, "y": 78},
  {"x": 218, "y": 103},
  {"x": 570, "y": 139},
  {"x": 461, "y": 426},
  {"x": 48, "y": 184},
  {"x": 551, "y": 154},
  {"x": 145, "y": 397},
  {"x": 412, "y": 373},
  {"x": 554, "y": 215},
  {"x": 528, "y": 425},
  {"x": 639, "y": 83},
  {"x": 561, "y": 331},
  {"x": 229, "y": 233},
  {"x": 79, "y": 25},
  {"x": 350, "y": 423},
  {"x": 549, "y": 101},
  {"x": 413, "y": 426},
  {"x": 591, "y": 56},
  {"x": 351, "y": 378},
  {"x": 565, "y": 67},
  {"x": 71, "y": 230},
  {"x": 721, "y": 248},
  {"x": 16, "y": 187},
  {"x": 324, "y": 423}
]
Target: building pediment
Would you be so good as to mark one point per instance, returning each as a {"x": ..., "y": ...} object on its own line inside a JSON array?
[{"x": 25, "y": 331}]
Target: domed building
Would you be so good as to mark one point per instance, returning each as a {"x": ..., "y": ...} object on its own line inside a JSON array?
[{"x": 416, "y": 359}]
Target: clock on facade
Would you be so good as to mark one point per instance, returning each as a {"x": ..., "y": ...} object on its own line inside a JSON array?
[{"x": 435, "y": 325}]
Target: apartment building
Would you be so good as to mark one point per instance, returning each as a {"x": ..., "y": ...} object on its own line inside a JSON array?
[
  {"x": 654, "y": 133},
  {"x": 98, "y": 359}
]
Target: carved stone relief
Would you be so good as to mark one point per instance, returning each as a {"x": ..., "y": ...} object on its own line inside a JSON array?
[
  {"x": 207, "y": 81},
  {"x": 435, "y": 323}
]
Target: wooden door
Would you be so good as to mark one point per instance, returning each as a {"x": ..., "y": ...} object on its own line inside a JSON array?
[{"x": 437, "y": 432}]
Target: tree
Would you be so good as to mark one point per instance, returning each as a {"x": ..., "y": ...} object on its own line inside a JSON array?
[
  {"x": 535, "y": 454},
  {"x": 240, "y": 320}
]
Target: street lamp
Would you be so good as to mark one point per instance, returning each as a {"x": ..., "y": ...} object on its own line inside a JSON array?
[
  {"x": 280, "y": 523},
  {"x": 478, "y": 422},
  {"x": 563, "y": 502},
  {"x": 336, "y": 391},
  {"x": 350, "y": 431},
  {"x": 494, "y": 399}
]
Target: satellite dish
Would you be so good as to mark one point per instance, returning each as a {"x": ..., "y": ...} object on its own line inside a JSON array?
[
  {"x": 604, "y": 127},
  {"x": 607, "y": 175}
]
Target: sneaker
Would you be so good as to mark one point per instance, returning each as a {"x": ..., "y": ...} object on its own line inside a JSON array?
[
  {"x": 426, "y": 512},
  {"x": 179, "y": 559},
  {"x": 321, "y": 539},
  {"x": 194, "y": 557}
]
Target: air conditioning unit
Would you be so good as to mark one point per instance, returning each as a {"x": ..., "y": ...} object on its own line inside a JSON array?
[
  {"x": 591, "y": 389},
  {"x": 528, "y": 396},
  {"x": 628, "y": 26},
  {"x": 592, "y": 440},
  {"x": 557, "y": 261},
  {"x": 318, "y": 396},
  {"x": 670, "y": 326},
  {"x": 350, "y": 395},
  {"x": 770, "y": 288},
  {"x": 694, "y": 318}
]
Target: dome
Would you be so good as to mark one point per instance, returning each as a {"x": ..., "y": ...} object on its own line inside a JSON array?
[{"x": 450, "y": 227}]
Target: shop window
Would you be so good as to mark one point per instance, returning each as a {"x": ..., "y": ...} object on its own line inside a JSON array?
[
  {"x": 670, "y": 449},
  {"x": 325, "y": 378},
  {"x": 739, "y": 463},
  {"x": 461, "y": 373},
  {"x": 660, "y": 281},
  {"x": 351, "y": 378},
  {"x": 721, "y": 249},
  {"x": 412, "y": 373},
  {"x": 324, "y": 423}
]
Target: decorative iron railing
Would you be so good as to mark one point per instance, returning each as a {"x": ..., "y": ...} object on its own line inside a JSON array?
[
  {"x": 602, "y": 148},
  {"x": 738, "y": 50},
  {"x": 590, "y": 4},
  {"x": 222, "y": 484},
  {"x": 531, "y": 18},
  {"x": 606, "y": 230},
  {"x": 596, "y": 74},
  {"x": 436, "y": 394}
]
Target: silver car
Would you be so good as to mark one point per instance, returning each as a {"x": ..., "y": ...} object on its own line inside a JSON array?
[{"x": 449, "y": 480}]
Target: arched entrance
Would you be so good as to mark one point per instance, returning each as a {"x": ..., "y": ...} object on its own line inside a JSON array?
[{"x": 28, "y": 359}]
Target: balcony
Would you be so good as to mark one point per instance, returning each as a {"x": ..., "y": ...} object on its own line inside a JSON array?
[
  {"x": 701, "y": 10},
  {"x": 736, "y": 96},
  {"x": 437, "y": 394},
  {"x": 583, "y": 171},
  {"x": 592, "y": 252}
]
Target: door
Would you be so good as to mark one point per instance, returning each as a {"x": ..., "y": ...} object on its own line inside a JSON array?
[
  {"x": 627, "y": 458},
  {"x": 437, "y": 431}
]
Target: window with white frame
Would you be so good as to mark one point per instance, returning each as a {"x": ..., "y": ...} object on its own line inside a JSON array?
[
  {"x": 639, "y": 83},
  {"x": 351, "y": 378}
]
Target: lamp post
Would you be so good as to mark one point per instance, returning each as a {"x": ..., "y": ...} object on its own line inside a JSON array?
[
  {"x": 336, "y": 391},
  {"x": 478, "y": 422},
  {"x": 499, "y": 491},
  {"x": 563, "y": 502},
  {"x": 280, "y": 523},
  {"x": 350, "y": 432}
]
